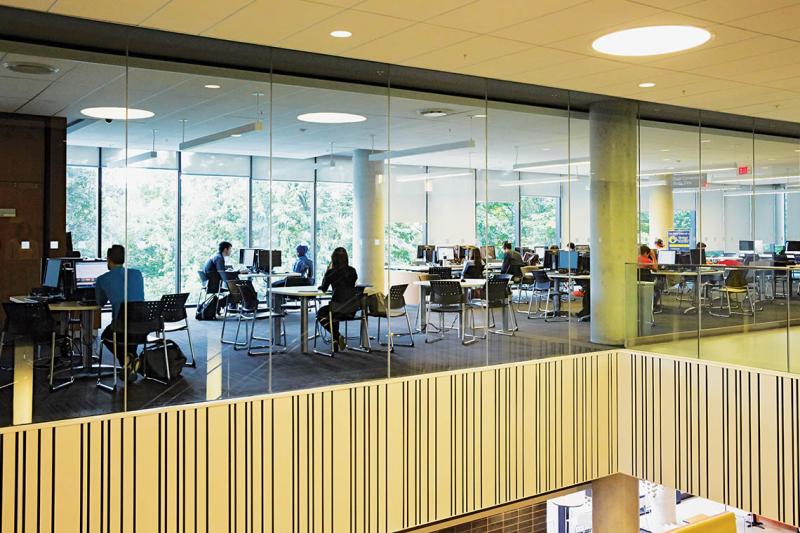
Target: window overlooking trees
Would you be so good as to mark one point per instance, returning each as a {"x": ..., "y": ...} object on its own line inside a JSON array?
[
  {"x": 82, "y": 208},
  {"x": 402, "y": 239},
  {"x": 151, "y": 220},
  {"x": 213, "y": 209},
  {"x": 292, "y": 211},
  {"x": 495, "y": 223},
  {"x": 334, "y": 221},
  {"x": 539, "y": 220}
]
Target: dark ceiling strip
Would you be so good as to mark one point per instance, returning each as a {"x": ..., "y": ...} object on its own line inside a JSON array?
[{"x": 34, "y": 27}]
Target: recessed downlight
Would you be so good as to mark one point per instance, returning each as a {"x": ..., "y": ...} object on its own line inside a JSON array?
[
  {"x": 651, "y": 40},
  {"x": 479, "y": 115},
  {"x": 341, "y": 34},
  {"x": 647, "y": 84},
  {"x": 434, "y": 112},
  {"x": 212, "y": 86},
  {"x": 331, "y": 118},
  {"x": 117, "y": 113},
  {"x": 29, "y": 67}
]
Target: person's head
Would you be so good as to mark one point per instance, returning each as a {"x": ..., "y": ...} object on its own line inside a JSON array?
[
  {"x": 571, "y": 246},
  {"x": 644, "y": 250},
  {"x": 659, "y": 243},
  {"x": 554, "y": 248},
  {"x": 535, "y": 260},
  {"x": 475, "y": 255},
  {"x": 302, "y": 250},
  {"x": 339, "y": 258},
  {"x": 225, "y": 248},
  {"x": 507, "y": 247},
  {"x": 115, "y": 256},
  {"x": 701, "y": 245}
]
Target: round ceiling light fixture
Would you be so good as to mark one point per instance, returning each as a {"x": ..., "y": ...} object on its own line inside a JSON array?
[
  {"x": 341, "y": 34},
  {"x": 647, "y": 85},
  {"x": 330, "y": 117},
  {"x": 435, "y": 112},
  {"x": 117, "y": 113},
  {"x": 28, "y": 67},
  {"x": 651, "y": 40}
]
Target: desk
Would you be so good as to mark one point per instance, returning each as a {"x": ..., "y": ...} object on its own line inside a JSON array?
[
  {"x": 465, "y": 285},
  {"x": 304, "y": 294},
  {"x": 262, "y": 275},
  {"x": 565, "y": 277}
]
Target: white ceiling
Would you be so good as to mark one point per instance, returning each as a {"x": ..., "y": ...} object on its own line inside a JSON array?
[{"x": 751, "y": 66}]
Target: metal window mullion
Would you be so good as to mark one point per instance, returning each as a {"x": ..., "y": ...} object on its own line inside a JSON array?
[{"x": 178, "y": 214}]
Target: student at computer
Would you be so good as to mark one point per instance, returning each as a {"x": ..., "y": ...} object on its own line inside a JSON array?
[
  {"x": 110, "y": 287},
  {"x": 215, "y": 269},
  {"x": 474, "y": 266},
  {"x": 659, "y": 244},
  {"x": 571, "y": 247},
  {"x": 512, "y": 262},
  {"x": 647, "y": 257},
  {"x": 341, "y": 277},
  {"x": 303, "y": 266}
]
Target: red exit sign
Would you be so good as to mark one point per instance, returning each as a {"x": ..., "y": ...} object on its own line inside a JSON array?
[{"x": 744, "y": 170}]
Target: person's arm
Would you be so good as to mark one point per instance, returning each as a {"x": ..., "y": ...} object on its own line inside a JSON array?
[
  {"x": 310, "y": 265},
  {"x": 326, "y": 282},
  {"x": 465, "y": 268},
  {"x": 100, "y": 294},
  {"x": 219, "y": 264},
  {"x": 506, "y": 264}
]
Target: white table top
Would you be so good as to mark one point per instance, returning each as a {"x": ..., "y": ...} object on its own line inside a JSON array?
[
  {"x": 567, "y": 275},
  {"x": 62, "y": 307},
  {"x": 249, "y": 275},
  {"x": 299, "y": 292}
]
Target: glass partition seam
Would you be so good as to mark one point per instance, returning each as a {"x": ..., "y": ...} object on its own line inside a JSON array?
[
  {"x": 99, "y": 200},
  {"x": 388, "y": 196},
  {"x": 250, "y": 204},
  {"x": 700, "y": 195},
  {"x": 178, "y": 258},
  {"x": 125, "y": 238}
]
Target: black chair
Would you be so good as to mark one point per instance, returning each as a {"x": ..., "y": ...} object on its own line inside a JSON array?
[
  {"x": 498, "y": 296},
  {"x": 251, "y": 311},
  {"x": 201, "y": 295},
  {"x": 173, "y": 311},
  {"x": 232, "y": 307},
  {"x": 442, "y": 272},
  {"x": 394, "y": 306},
  {"x": 445, "y": 297},
  {"x": 35, "y": 322},
  {"x": 354, "y": 309},
  {"x": 138, "y": 321},
  {"x": 541, "y": 288}
]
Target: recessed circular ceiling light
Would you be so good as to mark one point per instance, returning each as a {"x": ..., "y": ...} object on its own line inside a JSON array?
[
  {"x": 236, "y": 135},
  {"x": 28, "y": 67},
  {"x": 341, "y": 34},
  {"x": 647, "y": 85},
  {"x": 212, "y": 86},
  {"x": 117, "y": 113},
  {"x": 651, "y": 40},
  {"x": 331, "y": 118},
  {"x": 434, "y": 113}
]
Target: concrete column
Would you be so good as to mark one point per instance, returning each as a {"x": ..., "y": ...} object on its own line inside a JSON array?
[
  {"x": 368, "y": 223},
  {"x": 612, "y": 216},
  {"x": 615, "y": 504},
  {"x": 662, "y": 213}
]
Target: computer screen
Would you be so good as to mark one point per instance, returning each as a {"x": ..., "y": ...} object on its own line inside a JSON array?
[
  {"x": 87, "y": 272},
  {"x": 747, "y": 246},
  {"x": 698, "y": 257},
  {"x": 52, "y": 272},
  {"x": 793, "y": 246},
  {"x": 567, "y": 260},
  {"x": 425, "y": 252},
  {"x": 268, "y": 259},
  {"x": 445, "y": 253},
  {"x": 247, "y": 257},
  {"x": 582, "y": 248},
  {"x": 488, "y": 252},
  {"x": 539, "y": 250},
  {"x": 666, "y": 257}
]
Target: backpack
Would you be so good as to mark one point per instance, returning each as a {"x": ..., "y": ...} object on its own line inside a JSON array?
[
  {"x": 208, "y": 309},
  {"x": 153, "y": 363}
]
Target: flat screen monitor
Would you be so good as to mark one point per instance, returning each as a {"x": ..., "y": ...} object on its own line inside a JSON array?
[
  {"x": 268, "y": 259},
  {"x": 527, "y": 257},
  {"x": 792, "y": 246},
  {"x": 87, "y": 272},
  {"x": 666, "y": 257},
  {"x": 698, "y": 257},
  {"x": 247, "y": 257},
  {"x": 425, "y": 252},
  {"x": 539, "y": 250},
  {"x": 488, "y": 252},
  {"x": 52, "y": 273},
  {"x": 582, "y": 248},
  {"x": 445, "y": 253},
  {"x": 567, "y": 260},
  {"x": 747, "y": 246},
  {"x": 550, "y": 261}
]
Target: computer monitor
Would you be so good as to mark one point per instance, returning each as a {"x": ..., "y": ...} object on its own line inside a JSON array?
[
  {"x": 425, "y": 252},
  {"x": 87, "y": 272},
  {"x": 698, "y": 257},
  {"x": 567, "y": 260},
  {"x": 582, "y": 248},
  {"x": 747, "y": 247},
  {"x": 445, "y": 253},
  {"x": 527, "y": 257},
  {"x": 52, "y": 273},
  {"x": 584, "y": 262},
  {"x": 488, "y": 252},
  {"x": 247, "y": 257},
  {"x": 465, "y": 252},
  {"x": 539, "y": 250},
  {"x": 792, "y": 247},
  {"x": 550, "y": 261},
  {"x": 266, "y": 260},
  {"x": 666, "y": 257}
]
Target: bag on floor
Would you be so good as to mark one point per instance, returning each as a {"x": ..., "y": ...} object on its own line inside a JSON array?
[
  {"x": 154, "y": 364},
  {"x": 208, "y": 309}
]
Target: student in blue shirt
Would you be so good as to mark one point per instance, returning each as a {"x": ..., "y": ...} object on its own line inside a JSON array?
[
  {"x": 215, "y": 267},
  {"x": 110, "y": 287},
  {"x": 303, "y": 266}
]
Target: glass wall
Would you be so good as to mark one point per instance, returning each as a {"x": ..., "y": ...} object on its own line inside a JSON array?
[{"x": 422, "y": 191}]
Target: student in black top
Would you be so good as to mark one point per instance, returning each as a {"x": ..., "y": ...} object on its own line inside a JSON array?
[
  {"x": 512, "y": 262},
  {"x": 473, "y": 267},
  {"x": 342, "y": 278}
]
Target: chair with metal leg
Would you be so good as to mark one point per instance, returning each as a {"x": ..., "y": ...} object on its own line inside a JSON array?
[
  {"x": 394, "y": 306},
  {"x": 173, "y": 312},
  {"x": 736, "y": 285},
  {"x": 446, "y": 297},
  {"x": 540, "y": 289},
  {"x": 354, "y": 309},
  {"x": 232, "y": 309},
  {"x": 203, "y": 292},
  {"x": 442, "y": 272},
  {"x": 498, "y": 296},
  {"x": 250, "y": 312},
  {"x": 33, "y": 321}
]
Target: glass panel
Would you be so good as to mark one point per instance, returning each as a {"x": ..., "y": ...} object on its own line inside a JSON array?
[{"x": 82, "y": 208}]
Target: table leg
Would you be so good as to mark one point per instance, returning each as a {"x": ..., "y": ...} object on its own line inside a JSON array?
[
  {"x": 87, "y": 325},
  {"x": 422, "y": 311},
  {"x": 304, "y": 325}
]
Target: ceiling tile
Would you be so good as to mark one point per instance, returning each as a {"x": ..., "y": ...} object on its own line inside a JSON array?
[
  {"x": 787, "y": 58},
  {"x": 192, "y": 16},
  {"x": 122, "y": 11},
  {"x": 525, "y": 61},
  {"x": 252, "y": 23},
  {"x": 705, "y": 57},
  {"x": 486, "y": 16},
  {"x": 773, "y": 21},
  {"x": 585, "y": 66},
  {"x": 21, "y": 87},
  {"x": 365, "y": 27},
  {"x": 666, "y": 4},
  {"x": 409, "y": 42},
  {"x": 461, "y": 55},
  {"x": 728, "y": 10},
  {"x": 38, "y": 5},
  {"x": 418, "y": 10}
]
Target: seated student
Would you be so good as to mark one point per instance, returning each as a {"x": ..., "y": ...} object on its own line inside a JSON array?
[
  {"x": 571, "y": 247},
  {"x": 646, "y": 257},
  {"x": 647, "y": 264},
  {"x": 474, "y": 266},
  {"x": 342, "y": 278},
  {"x": 303, "y": 266},
  {"x": 659, "y": 244},
  {"x": 110, "y": 287},
  {"x": 215, "y": 268},
  {"x": 512, "y": 262}
]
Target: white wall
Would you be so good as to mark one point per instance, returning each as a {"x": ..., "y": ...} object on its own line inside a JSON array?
[
  {"x": 575, "y": 212},
  {"x": 793, "y": 217},
  {"x": 451, "y": 210},
  {"x": 712, "y": 219}
]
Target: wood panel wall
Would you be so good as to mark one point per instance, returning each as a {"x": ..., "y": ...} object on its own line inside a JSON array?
[{"x": 32, "y": 181}]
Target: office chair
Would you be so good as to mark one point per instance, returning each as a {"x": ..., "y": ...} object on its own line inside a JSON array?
[
  {"x": 445, "y": 297},
  {"x": 498, "y": 296},
  {"x": 173, "y": 311},
  {"x": 35, "y": 322},
  {"x": 232, "y": 306},
  {"x": 541, "y": 287},
  {"x": 736, "y": 284},
  {"x": 395, "y": 307},
  {"x": 353, "y": 309},
  {"x": 250, "y": 311},
  {"x": 525, "y": 283},
  {"x": 203, "y": 292},
  {"x": 442, "y": 272}
]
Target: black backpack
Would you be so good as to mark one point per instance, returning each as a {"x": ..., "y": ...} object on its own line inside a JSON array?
[
  {"x": 208, "y": 309},
  {"x": 154, "y": 364}
]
